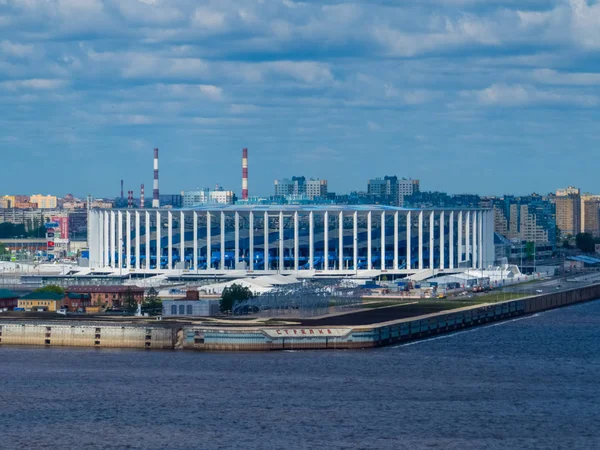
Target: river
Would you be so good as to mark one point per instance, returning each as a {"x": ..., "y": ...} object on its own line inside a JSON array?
[{"x": 529, "y": 383}]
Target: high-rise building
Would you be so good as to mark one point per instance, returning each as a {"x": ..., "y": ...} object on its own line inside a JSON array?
[
  {"x": 206, "y": 196},
  {"x": 299, "y": 187},
  {"x": 315, "y": 188},
  {"x": 391, "y": 190},
  {"x": 590, "y": 214},
  {"x": 44, "y": 201},
  {"x": 531, "y": 218},
  {"x": 406, "y": 186},
  {"x": 568, "y": 210}
]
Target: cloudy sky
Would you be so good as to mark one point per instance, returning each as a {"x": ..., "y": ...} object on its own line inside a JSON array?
[{"x": 484, "y": 96}]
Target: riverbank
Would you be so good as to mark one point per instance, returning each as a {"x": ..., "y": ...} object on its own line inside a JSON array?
[{"x": 367, "y": 329}]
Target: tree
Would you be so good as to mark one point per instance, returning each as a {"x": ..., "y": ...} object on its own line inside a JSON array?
[
  {"x": 51, "y": 288},
  {"x": 233, "y": 294},
  {"x": 130, "y": 304},
  {"x": 566, "y": 244},
  {"x": 152, "y": 303},
  {"x": 585, "y": 242}
]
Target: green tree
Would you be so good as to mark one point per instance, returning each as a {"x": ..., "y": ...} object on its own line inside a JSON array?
[
  {"x": 233, "y": 294},
  {"x": 566, "y": 244},
  {"x": 152, "y": 303},
  {"x": 51, "y": 288},
  {"x": 585, "y": 242},
  {"x": 130, "y": 304}
]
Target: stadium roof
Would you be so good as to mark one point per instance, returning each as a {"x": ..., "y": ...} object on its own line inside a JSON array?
[{"x": 308, "y": 208}]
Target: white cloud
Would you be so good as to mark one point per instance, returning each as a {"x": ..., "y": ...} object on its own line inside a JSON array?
[
  {"x": 208, "y": 20},
  {"x": 33, "y": 84},
  {"x": 306, "y": 71},
  {"x": 373, "y": 126},
  {"x": 525, "y": 95},
  {"x": 16, "y": 49},
  {"x": 549, "y": 76}
]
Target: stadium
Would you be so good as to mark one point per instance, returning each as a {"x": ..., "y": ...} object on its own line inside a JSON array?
[{"x": 334, "y": 240}]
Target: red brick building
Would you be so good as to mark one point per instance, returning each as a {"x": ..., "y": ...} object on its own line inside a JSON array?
[
  {"x": 76, "y": 302},
  {"x": 108, "y": 296}
]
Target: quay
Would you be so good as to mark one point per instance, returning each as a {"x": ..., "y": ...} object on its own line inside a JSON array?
[{"x": 366, "y": 329}]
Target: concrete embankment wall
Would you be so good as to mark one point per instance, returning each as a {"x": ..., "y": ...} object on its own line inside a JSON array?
[
  {"x": 200, "y": 338},
  {"x": 78, "y": 334},
  {"x": 196, "y": 337}
]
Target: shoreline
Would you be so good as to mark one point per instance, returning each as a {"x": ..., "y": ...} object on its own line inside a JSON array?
[{"x": 263, "y": 337}]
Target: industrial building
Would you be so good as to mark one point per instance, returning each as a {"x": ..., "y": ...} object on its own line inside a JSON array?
[{"x": 314, "y": 240}]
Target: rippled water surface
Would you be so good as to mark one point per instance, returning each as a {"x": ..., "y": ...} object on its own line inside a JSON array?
[{"x": 530, "y": 383}]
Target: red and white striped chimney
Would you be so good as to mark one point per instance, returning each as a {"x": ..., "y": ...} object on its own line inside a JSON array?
[
  {"x": 155, "y": 194},
  {"x": 245, "y": 174},
  {"x": 130, "y": 199},
  {"x": 142, "y": 201}
]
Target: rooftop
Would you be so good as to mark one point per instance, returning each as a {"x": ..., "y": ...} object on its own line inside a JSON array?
[
  {"x": 43, "y": 296},
  {"x": 5, "y": 293},
  {"x": 104, "y": 289},
  {"x": 292, "y": 208}
]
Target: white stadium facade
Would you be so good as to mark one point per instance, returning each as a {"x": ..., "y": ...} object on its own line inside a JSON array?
[{"x": 306, "y": 240}]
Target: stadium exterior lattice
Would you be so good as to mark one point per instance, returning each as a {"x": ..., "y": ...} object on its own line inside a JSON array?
[{"x": 308, "y": 240}]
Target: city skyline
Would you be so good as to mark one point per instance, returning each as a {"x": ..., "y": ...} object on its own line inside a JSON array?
[{"x": 466, "y": 96}]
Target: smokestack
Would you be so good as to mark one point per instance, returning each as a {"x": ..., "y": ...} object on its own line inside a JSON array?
[
  {"x": 155, "y": 194},
  {"x": 142, "y": 201},
  {"x": 121, "y": 188},
  {"x": 245, "y": 174},
  {"x": 130, "y": 199}
]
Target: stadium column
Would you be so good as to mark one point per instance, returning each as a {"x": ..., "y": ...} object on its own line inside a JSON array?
[
  {"x": 326, "y": 241},
  {"x": 355, "y": 242},
  {"x": 442, "y": 240},
  {"x": 467, "y": 236},
  {"x": 341, "y": 241},
  {"x": 451, "y": 247},
  {"x": 431, "y": 240},
  {"x": 138, "y": 236},
  {"x": 474, "y": 235},
  {"x": 195, "y": 237},
  {"x": 128, "y": 239},
  {"x": 222, "y": 265},
  {"x": 311, "y": 240},
  {"x": 169, "y": 240},
  {"x": 113, "y": 246},
  {"x": 91, "y": 218},
  {"x": 236, "y": 238},
  {"x": 182, "y": 238},
  {"x": 420, "y": 240},
  {"x": 147, "y": 229},
  {"x": 459, "y": 248},
  {"x": 208, "y": 240},
  {"x": 158, "y": 240},
  {"x": 251, "y": 241},
  {"x": 396, "y": 224},
  {"x": 296, "y": 243},
  {"x": 266, "y": 265},
  {"x": 92, "y": 233},
  {"x": 382, "y": 265},
  {"x": 120, "y": 237},
  {"x": 480, "y": 245},
  {"x": 369, "y": 240},
  {"x": 408, "y": 240},
  {"x": 281, "y": 256},
  {"x": 106, "y": 239}
]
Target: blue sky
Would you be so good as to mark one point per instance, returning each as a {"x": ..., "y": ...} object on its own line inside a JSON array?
[{"x": 482, "y": 96}]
